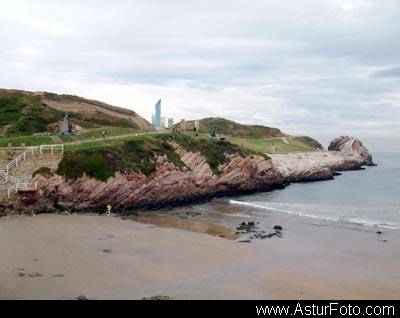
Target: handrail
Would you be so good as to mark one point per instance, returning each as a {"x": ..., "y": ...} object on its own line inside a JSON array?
[
  {"x": 31, "y": 151},
  {"x": 18, "y": 185}
]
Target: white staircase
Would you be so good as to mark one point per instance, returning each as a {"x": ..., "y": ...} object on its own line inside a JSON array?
[{"x": 29, "y": 153}]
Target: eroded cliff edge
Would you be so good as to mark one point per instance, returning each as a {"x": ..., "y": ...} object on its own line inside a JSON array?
[{"x": 195, "y": 180}]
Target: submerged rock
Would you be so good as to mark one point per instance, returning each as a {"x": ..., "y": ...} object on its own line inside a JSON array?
[{"x": 246, "y": 227}]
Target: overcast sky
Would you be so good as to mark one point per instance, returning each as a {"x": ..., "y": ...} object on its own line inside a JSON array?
[{"x": 321, "y": 68}]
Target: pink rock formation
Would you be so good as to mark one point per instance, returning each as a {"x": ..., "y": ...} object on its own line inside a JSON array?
[{"x": 168, "y": 185}]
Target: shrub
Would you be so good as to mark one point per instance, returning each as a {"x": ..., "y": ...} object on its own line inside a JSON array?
[{"x": 44, "y": 171}]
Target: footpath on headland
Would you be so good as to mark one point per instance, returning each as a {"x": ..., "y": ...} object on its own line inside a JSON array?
[{"x": 14, "y": 181}]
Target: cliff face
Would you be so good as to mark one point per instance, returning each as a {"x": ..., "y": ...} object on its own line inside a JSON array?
[
  {"x": 171, "y": 185},
  {"x": 168, "y": 185}
]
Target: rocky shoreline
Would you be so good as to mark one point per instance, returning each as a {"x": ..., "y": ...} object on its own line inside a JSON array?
[{"x": 171, "y": 186}]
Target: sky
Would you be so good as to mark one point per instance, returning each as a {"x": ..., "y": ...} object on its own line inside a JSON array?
[{"x": 321, "y": 68}]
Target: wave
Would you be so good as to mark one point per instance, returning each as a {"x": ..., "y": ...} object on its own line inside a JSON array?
[
  {"x": 300, "y": 210},
  {"x": 241, "y": 215}
]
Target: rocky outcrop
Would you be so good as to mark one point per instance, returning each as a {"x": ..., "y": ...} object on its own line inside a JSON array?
[
  {"x": 352, "y": 147},
  {"x": 170, "y": 185},
  {"x": 344, "y": 153}
]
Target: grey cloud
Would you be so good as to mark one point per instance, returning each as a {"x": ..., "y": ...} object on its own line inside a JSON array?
[
  {"x": 389, "y": 72},
  {"x": 302, "y": 66}
]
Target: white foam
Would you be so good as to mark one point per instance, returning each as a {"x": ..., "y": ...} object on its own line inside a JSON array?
[{"x": 299, "y": 210}]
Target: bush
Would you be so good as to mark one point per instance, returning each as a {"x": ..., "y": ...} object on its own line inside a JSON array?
[
  {"x": 73, "y": 165},
  {"x": 44, "y": 171}
]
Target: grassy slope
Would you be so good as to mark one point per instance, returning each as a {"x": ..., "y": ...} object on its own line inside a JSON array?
[
  {"x": 101, "y": 160},
  {"x": 97, "y": 133},
  {"x": 255, "y": 137},
  {"x": 23, "y": 113},
  {"x": 277, "y": 145},
  {"x": 16, "y": 141},
  {"x": 231, "y": 128}
]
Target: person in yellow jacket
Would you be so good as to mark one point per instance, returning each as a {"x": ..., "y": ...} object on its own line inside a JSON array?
[{"x": 109, "y": 208}]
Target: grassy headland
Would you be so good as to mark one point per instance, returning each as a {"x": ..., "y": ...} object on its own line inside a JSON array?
[{"x": 102, "y": 159}]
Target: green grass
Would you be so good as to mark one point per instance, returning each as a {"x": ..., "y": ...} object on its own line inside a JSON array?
[
  {"x": 27, "y": 140},
  {"x": 93, "y": 133},
  {"x": 24, "y": 114},
  {"x": 277, "y": 145},
  {"x": 93, "y": 145},
  {"x": 97, "y": 133},
  {"x": 230, "y": 128}
]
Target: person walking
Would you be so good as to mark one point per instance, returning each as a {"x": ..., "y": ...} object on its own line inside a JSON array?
[{"x": 109, "y": 208}]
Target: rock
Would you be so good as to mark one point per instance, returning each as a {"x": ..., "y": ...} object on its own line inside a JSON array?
[
  {"x": 35, "y": 275},
  {"x": 352, "y": 146},
  {"x": 344, "y": 153},
  {"x": 246, "y": 227},
  {"x": 278, "y": 228},
  {"x": 158, "y": 297},
  {"x": 245, "y": 241},
  {"x": 379, "y": 232},
  {"x": 170, "y": 185},
  {"x": 81, "y": 297}
]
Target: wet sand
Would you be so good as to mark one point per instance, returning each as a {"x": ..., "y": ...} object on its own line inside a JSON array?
[
  {"x": 193, "y": 225},
  {"x": 64, "y": 256}
]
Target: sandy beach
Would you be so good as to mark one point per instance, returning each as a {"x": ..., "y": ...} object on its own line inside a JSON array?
[{"x": 64, "y": 256}]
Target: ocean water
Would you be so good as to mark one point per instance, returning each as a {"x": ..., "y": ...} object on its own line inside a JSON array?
[{"x": 368, "y": 197}]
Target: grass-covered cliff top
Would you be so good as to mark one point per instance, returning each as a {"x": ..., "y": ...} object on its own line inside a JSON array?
[
  {"x": 102, "y": 160},
  {"x": 230, "y": 128},
  {"x": 279, "y": 144}
]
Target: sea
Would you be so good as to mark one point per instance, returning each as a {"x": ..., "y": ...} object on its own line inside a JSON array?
[{"x": 369, "y": 198}]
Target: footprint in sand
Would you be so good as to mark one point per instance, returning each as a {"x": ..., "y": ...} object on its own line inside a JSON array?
[
  {"x": 58, "y": 275},
  {"x": 33, "y": 275}
]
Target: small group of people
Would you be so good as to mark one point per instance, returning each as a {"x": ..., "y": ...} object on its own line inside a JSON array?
[{"x": 176, "y": 130}]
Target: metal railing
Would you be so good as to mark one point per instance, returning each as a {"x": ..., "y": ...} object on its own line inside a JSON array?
[{"x": 30, "y": 151}]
